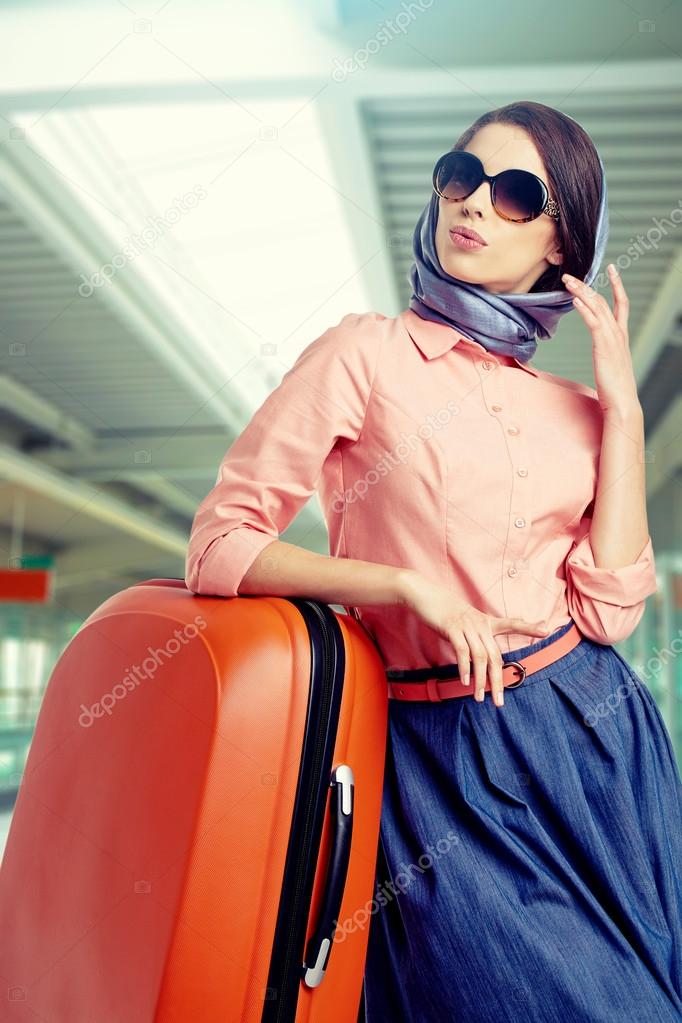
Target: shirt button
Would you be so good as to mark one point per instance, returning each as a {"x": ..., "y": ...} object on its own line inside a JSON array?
[
  {"x": 522, "y": 472},
  {"x": 513, "y": 430},
  {"x": 487, "y": 364},
  {"x": 512, "y": 571},
  {"x": 497, "y": 408},
  {"x": 519, "y": 522}
]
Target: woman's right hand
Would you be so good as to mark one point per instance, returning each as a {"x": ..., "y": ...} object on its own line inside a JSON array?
[{"x": 471, "y": 632}]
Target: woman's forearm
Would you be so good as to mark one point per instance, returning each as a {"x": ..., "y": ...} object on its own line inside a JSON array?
[
  {"x": 619, "y": 528},
  {"x": 286, "y": 570}
]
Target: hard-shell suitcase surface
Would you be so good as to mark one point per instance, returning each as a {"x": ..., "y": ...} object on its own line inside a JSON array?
[{"x": 195, "y": 834}]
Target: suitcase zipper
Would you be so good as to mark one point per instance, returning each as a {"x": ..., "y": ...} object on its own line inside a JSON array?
[{"x": 309, "y": 809}]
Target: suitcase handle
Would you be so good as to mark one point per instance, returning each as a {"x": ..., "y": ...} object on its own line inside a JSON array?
[{"x": 341, "y": 809}]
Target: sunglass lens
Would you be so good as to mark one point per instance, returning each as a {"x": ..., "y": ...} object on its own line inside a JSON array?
[
  {"x": 518, "y": 195},
  {"x": 457, "y": 176}
]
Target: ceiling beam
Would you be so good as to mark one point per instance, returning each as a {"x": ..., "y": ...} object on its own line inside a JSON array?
[
  {"x": 659, "y": 322},
  {"x": 27, "y": 471},
  {"x": 476, "y": 86},
  {"x": 107, "y": 559},
  {"x": 664, "y": 449},
  {"x": 144, "y": 456},
  {"x": 24, "y": 403},
  {"x": 170, "y": 495},
  {"x": 355, "y": 180}
]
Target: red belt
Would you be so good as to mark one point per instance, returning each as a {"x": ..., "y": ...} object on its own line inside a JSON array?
[{"x": 439, "y": 686}]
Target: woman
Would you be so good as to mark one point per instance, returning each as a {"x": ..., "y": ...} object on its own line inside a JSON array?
[{"x": 488, "y": 527}]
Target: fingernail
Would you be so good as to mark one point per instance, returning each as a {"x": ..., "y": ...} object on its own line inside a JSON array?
[{"x": 465, "y": 680}]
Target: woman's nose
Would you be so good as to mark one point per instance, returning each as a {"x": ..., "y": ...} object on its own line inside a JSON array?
[{"x": 479, "y": 201}]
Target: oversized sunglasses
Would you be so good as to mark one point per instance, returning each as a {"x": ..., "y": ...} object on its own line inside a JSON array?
[{"x": 516, "y": 195}]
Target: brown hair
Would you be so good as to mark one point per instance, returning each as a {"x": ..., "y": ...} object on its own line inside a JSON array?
[{"x": 574, "y": 174}]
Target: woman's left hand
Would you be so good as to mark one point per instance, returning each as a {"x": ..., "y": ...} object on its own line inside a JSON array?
[{"x": 613, "y": 372}]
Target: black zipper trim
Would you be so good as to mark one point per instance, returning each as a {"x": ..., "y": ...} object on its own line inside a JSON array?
[{"x": 327, "y": 658}]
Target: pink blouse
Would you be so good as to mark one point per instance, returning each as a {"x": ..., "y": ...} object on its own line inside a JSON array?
[{"x": 427, "y": 452}]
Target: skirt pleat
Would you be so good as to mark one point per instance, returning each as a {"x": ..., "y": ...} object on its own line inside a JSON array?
[{"x": 530, "y": 856}]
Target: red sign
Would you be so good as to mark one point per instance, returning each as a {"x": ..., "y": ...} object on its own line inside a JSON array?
[{"x": 25, "y": 585}]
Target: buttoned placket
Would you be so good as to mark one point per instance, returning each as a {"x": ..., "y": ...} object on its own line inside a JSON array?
[{"x": 498, "y": 404}]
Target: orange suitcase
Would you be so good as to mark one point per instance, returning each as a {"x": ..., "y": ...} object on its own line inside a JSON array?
[{"x": 195, "y": 835}]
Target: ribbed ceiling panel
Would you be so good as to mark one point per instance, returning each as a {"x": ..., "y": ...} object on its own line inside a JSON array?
[{"x": 75, "y": 351}]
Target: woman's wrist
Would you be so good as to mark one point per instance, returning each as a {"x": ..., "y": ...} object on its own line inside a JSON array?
[
  {"x": 408, "y": 581},
  {"x": 629, "y": 412}
]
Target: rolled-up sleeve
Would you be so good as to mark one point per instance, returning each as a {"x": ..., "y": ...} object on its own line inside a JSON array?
[
  {"x": 607, "y": 603},
  {"x": 272, "y": 468}
]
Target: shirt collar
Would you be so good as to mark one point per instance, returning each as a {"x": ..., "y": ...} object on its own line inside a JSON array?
[{"x": 434, "y": 339}]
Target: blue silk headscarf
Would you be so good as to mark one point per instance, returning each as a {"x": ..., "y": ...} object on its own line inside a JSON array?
[{"x": 506, "y": 323}]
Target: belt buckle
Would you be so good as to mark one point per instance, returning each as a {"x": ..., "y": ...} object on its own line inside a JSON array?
[
  {"x": 432, "y": 690},
  {"x": 513, "y": 685}
]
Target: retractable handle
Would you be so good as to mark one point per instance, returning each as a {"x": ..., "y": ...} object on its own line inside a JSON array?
[{"x": 341, "y": 803}]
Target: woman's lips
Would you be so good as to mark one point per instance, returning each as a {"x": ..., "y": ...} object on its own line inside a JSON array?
[{"x": 462, "y": 242}]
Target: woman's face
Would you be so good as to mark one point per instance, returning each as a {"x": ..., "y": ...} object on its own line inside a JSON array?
[{"x": 516, "y": 255}]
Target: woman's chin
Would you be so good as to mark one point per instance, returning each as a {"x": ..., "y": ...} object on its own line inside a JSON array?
[{"x": 454, "y": 269}]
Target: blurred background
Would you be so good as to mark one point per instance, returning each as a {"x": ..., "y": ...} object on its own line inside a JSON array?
[{"x": 190, "y": 193}]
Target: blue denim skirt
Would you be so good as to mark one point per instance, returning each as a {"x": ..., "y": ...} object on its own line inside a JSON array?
[{"x": 530, "y": 856}]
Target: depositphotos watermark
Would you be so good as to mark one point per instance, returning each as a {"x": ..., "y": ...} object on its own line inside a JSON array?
[
  {"x": 147, "y": 669},
  {"x": 361, "y": 915},
  {"x": 400, "y": 454},
  {"x": 387, "y": 31},
  {"x": 134, "y": 244},
  {"x": 642, "y": 243},
  {"x": 636, "y": 679}
]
